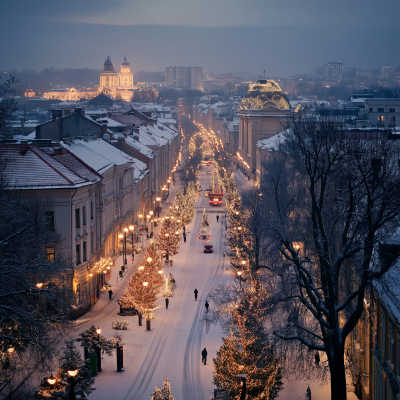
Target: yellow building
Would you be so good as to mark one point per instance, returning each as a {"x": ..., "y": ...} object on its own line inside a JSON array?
[
  {"x": 263, "y": 112},
  {"x": 118, "y": 85}
]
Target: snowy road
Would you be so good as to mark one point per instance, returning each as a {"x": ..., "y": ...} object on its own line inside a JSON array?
[{"x": 173, "y": 346}]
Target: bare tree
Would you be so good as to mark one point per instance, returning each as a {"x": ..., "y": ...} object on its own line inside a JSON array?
[
  {"x": 7, "y": 105},
  {"x": 34, "y": 304},
  {"x": 331, "y": 201}
]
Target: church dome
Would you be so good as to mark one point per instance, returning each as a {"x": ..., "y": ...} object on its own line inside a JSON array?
[
  {"x": 125, "y": 63},
  {"x": 262, "y": 94},
  {"x": 109, "y": 65}
]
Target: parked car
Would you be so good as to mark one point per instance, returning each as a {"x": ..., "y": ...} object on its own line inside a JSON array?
[
  {"x": 208, "y": 248},
  {"x": 208, "y": 172},
  {"x": 208, "y": 191}
]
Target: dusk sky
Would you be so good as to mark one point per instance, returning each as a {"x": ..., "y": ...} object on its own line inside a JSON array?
[{"x": 283, "y": 36}]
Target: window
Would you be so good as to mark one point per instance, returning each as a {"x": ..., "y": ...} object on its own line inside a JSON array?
[
  {"x": 77, "y": 218},
  {"x": 78, "y": 254},
  {"x": 392, "y": 110},
  {"x": 392, "y": 118},
  {"x": 50, "y": 220},
  {"x": 84, "y": 215},
  {"x": 84, "y": 252},
  {"x": 380, "y": 118},
  {"x": 91, "y": 243},
  {"x": 50, "y": 253},
  {"x": 381, "y": 110},
  {"x": 91, "y": 210},
  {"x": 371, "y": 109}
]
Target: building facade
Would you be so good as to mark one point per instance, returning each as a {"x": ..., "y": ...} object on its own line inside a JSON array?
[
  {"x": 383, "y": 113},
  {"x": 184, "y": 77}
]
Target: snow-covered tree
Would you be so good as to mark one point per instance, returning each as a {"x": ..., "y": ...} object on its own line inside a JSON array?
[
  {"x": 81, "y": 384},
  {"x": 164, "y": 393},
  {"x": 204, "y": 220},
  {"x": 170, "y": 286},
  {"x": 168, "y": 238},
  {"x": 143, "y": 297},
  {"x": 93, "y": 341}
]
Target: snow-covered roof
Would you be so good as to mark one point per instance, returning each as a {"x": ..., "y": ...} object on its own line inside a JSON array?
[
  {"x": 272, "y": 143},
  {"x": 140, "y": 147},
  {"x": 37, "y": 169},
  {"x": 111, "y": 122},
  {"x": 167, "y": 120},
  {"x": 100, "y": 154}
]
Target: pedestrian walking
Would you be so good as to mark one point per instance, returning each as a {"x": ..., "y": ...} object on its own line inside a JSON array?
[
  {"x": 133, "y": 257},
  {"x": 309, "y": 392},
  {"x": 204, "y": 356},
  {"x": 166, "y": 303},
  {"x": 195, "y": 294},
  {"x": 206, "y": 305},
  {"x": 110, "y": 293},
  {"x": 217, "y": 218},
  {"x": 184, "y": 237}
]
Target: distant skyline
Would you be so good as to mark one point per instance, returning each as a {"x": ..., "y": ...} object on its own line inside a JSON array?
[{"x": 284, "y": 37}]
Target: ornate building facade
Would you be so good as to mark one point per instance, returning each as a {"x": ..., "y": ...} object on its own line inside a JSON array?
[{"x": 117, "y": 85}]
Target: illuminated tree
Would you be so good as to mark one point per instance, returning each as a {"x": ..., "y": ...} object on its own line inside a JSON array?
[
  {"x": 204, "y": 220},
  {"x": 168, "y": 239},
  {"x": 247, "y": 351},
  {"x": 141, "y": 294},
  {"x": 164, "y": 393}
]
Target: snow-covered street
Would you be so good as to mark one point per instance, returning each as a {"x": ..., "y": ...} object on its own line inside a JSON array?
[{"x": 173, "y": 346}]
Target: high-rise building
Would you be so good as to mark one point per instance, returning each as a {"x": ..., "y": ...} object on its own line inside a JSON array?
[
  {"x": 333, "y": 69},
  {"x": 184, "y": 77}
]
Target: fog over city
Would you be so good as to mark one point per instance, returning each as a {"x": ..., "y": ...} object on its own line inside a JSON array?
[{"x": 283, "y": 37}]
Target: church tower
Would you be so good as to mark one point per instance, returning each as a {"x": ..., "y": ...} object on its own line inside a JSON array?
[
  {"x": 125, "y": 76},
  {"x": 109, "y": 76}
]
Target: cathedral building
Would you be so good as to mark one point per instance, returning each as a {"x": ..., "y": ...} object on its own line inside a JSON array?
[{"x": 117, "y": 85}]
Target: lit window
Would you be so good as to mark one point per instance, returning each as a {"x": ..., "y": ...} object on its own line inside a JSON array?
[
  {"x": 50, "y": 253},
  {"x": 380, "y": 118},
  {"x": 392, "y": 118}
]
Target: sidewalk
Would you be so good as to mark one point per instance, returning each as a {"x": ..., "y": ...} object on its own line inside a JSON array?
[{"x": 117, "y": 284}]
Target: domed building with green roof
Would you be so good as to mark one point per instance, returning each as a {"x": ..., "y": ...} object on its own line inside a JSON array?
[{"x": 263, "y": 112}]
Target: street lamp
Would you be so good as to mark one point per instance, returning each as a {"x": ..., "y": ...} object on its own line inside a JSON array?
[
  {"x": 240, "y": 277},
  {"x": 158, "y": 199},
  {"x": 126, "y": 230},
  {"x": 72, "y": 374},
  {"x": 51, "y": 380}
]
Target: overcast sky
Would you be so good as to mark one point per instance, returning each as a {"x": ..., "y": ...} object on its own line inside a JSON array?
[{"x": 283, "y": 36}]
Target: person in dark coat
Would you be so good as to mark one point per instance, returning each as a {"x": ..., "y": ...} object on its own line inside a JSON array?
[
  {"x": 166, "y": 303},
  {"x": 206, "y": 305},
  {"x": 309, "y": 392},
  {"x": 217, "y": 218},
  {"x": 184, "y": 237},
  {"x": 110, "y": 293},
  {"x": 133, "y": 257},
  {"x": 195, "y": 294},
  {"x": 317, "y": 359},
  {"x": 204, "y": 356}
]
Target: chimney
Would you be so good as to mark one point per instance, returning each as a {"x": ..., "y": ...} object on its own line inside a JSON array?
[
  {"x": 107, "y": 137},
  {"x": 56, "y": 113},
  {"x": 67, "y": 112},
  {"x": 24, "y": 147},
  {"x": 78, "y": 110},
  {"x": 121, "y": 138},
  {"x": 58, "y": 151},
  {"x": 104, "y": 129},
  {"x": 22, "y": 126},
  {"x": 83, "y": 112}
]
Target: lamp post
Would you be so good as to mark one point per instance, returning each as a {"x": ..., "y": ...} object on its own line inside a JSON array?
[
  {"x": 151, "y": 213},
  {"x": 72, "y": 374},
  {"x": 240, "y": 278},
  {"x": 121, "y": 237},
  {"x": 98, "y": 350},
  {"x": 131, "y": 228},
  {"x": 158, "y": 199},
  {"x": 126, "y": 230},
  {"x": 148, "y": 320},
  {"x": 168, "y": 181}
]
